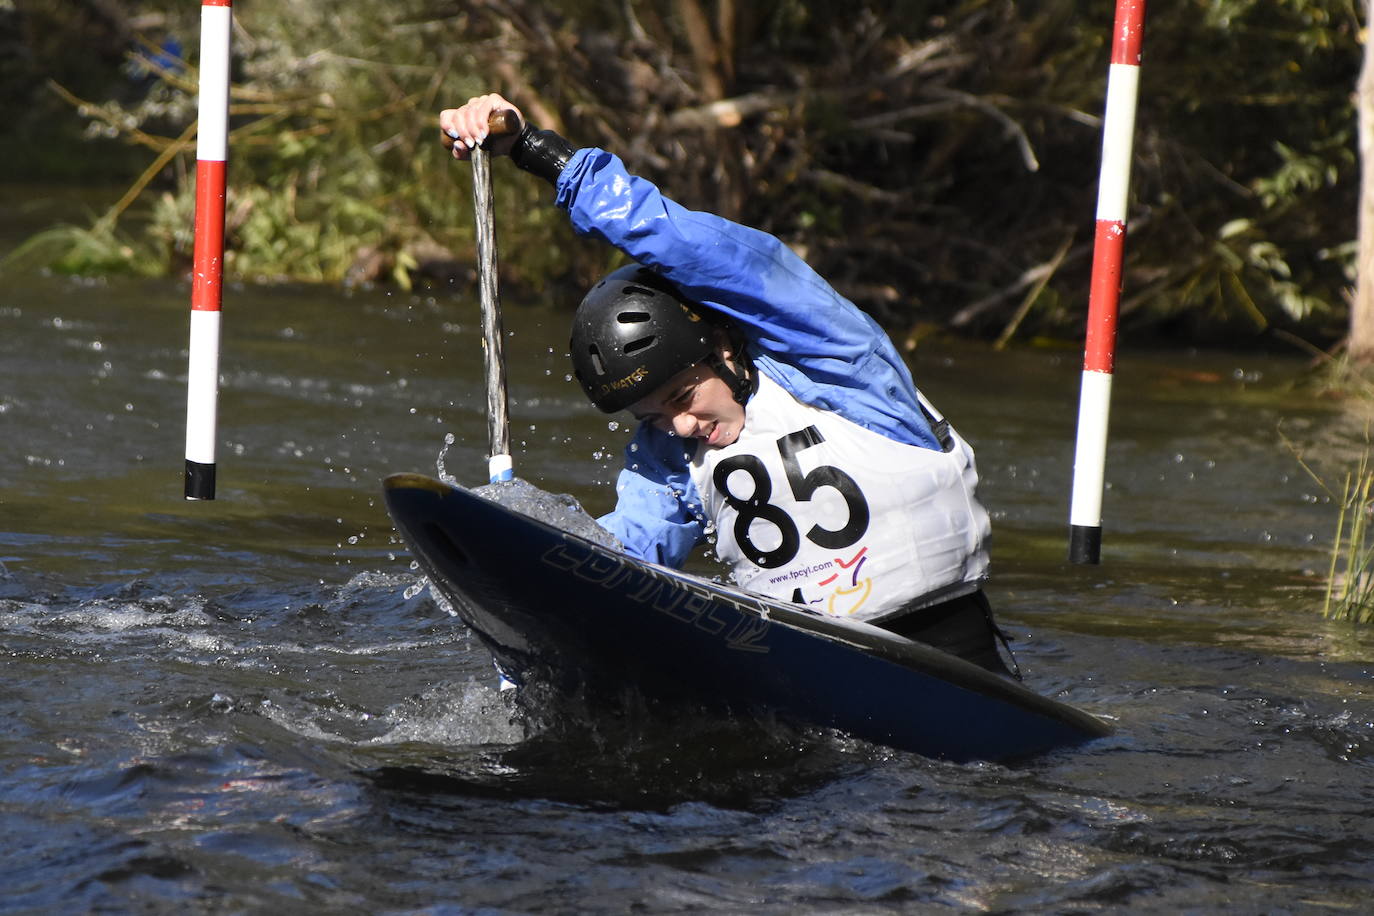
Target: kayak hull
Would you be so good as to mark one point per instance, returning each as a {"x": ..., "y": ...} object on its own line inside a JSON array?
[{"x": 557, "y": 608}]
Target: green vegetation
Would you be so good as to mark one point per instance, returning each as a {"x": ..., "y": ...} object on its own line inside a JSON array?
[
  {"x": 937, "y": 160},
  {"x": 1350, "y": 572},
  {"x": 1350, "y": 579}
]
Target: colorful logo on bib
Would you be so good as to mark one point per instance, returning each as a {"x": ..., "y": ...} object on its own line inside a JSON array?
[{"x": 848, "y": 591}]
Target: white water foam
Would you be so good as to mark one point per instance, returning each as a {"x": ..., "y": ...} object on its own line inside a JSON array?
[
  {"x": 557, "y": 509},
  {"x": 458, "y": 714}
]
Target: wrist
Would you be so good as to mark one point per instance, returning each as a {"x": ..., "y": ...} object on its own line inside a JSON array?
[{"x": 541, "y": 152}]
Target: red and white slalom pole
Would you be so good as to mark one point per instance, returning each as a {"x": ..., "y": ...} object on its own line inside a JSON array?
[
  {"x": 1094, "y": 405},
  {"x": 207, "y": 272}
]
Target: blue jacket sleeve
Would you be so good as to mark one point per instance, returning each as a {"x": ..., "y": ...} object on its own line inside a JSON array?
[
  {"x": 657, "y": 516},
  {"x": 803, "y": 333}
]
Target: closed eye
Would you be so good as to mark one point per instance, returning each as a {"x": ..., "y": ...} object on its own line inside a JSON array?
[
  {"x": 683, "y": 397},
  {"x": 674, "y": 404}
]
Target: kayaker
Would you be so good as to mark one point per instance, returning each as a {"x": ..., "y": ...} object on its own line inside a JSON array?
[{"x": 775, "y": 417}]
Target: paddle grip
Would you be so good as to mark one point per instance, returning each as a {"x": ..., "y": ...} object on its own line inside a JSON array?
[{"x": 503, "y": 122}]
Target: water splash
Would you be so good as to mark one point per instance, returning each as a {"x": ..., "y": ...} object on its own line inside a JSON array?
[
  {"x": 454, "y": 715},
  {"x": 444, "y": 475},
  {"x": 557, "y": 509},
  {"x": 416, "y": 587}
]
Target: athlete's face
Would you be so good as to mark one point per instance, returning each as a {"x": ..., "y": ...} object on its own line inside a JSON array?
[{"x": 694, "y": 404}]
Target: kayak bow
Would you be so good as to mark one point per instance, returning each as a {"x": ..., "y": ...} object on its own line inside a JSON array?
[{"x": 558, "y": 608}]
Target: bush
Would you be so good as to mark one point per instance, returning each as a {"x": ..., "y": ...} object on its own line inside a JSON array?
[{"x": 932, "y": 159}]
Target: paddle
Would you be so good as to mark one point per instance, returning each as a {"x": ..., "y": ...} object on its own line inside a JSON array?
[{"x": 499, "y": 464}]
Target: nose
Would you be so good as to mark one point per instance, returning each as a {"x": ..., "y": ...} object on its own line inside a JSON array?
[{"x": 684, "y": 425}]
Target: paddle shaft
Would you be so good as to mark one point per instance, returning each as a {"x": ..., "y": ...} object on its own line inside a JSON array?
[{"x": 499, "y": 463}]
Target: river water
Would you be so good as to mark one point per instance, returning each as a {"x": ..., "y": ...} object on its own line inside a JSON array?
[{"x": 251, "y": 703}]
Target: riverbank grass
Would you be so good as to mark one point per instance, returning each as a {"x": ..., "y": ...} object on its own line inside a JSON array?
[{"x": 1350, "y": 579}]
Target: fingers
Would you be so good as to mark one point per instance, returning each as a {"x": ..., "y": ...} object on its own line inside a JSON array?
[{"x": 463, "y": 128}]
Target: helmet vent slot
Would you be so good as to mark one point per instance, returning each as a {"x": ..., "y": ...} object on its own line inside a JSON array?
[
  {"x": 640, "y": 343},
  {"x": 598, "y": 366},
  {"x": 635, "y": 290}
]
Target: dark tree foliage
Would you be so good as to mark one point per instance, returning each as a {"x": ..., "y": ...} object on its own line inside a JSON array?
[{"x": 936, "y": 160}]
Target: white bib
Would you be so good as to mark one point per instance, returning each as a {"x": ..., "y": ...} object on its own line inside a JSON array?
[{"x": 813, "y": 508}]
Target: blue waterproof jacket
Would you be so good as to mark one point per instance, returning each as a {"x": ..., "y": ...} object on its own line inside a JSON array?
[{"x": 800, "y": 332}]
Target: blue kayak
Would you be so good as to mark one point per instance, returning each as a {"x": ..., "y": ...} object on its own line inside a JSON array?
[{"x": 557, "y": 608}]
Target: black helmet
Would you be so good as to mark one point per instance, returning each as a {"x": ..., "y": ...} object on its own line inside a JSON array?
[{"x": 632, "y": 333}]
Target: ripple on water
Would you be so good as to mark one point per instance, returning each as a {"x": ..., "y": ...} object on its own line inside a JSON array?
[{"x": 279, "y": 716}]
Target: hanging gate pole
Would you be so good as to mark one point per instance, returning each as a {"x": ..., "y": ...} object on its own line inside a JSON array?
[
  {"x": 1090, "y": 454},
  {"x": 212, "y": 142}
]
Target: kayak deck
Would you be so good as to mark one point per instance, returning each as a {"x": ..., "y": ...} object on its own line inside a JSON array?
[{"x": 556, "y": 607}]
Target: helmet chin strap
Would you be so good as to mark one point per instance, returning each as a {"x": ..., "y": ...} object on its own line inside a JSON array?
[{"x": 742, "y": 383}]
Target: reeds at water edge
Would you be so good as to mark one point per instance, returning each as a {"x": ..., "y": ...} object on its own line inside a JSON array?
[{"x": 1350, "y": 578}]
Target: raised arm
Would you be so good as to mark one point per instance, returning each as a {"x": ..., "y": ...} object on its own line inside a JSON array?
[
  {"x": 744, "y": 273},
  {"x": 827, "y": 351}
]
